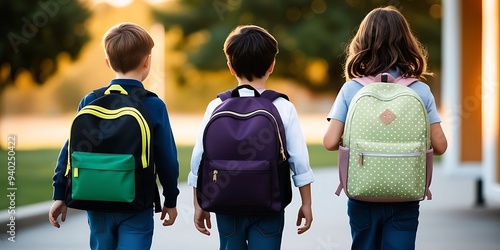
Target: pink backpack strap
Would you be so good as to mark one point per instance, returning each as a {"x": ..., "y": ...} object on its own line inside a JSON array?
[
  {"x": 385, "y": 77},
  {"x": 364, "y": 80}
]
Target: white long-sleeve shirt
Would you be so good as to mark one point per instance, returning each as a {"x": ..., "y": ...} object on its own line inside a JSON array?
[{"x": 295, "y": 142}]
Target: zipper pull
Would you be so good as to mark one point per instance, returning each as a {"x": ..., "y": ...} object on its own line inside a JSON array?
[
  {"x": 282, "y": 151},
  {"x": 360, "y": 159},
  {"x": 215, "y": 172}
]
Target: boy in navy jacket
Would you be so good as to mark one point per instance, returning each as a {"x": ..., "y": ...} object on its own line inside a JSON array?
[{"x": 128, "y": 53}]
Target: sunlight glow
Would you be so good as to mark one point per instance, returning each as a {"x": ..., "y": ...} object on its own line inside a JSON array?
[
  {"x": 114, "y": 3},
  {"x": 490, "y": 84},
  {"x": 125, "y": 3},
  {"x": 157, "y": 1},
  {"x": 490, "y": 67}
]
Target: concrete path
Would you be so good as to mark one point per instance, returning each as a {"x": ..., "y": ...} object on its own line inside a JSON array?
[{"x": 448, "y": 222}]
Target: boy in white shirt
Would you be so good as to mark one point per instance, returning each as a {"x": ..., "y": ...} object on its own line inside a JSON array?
[{"x": 251, "y": 52}]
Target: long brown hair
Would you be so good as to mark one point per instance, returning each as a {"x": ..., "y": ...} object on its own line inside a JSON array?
[{"x": 384, "y": 41}]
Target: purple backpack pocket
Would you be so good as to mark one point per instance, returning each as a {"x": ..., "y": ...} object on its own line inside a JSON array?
[{"x": 236, "y": 185}]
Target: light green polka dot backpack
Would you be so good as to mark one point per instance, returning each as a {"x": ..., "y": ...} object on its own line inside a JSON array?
[{"x": 386, "y": 155}]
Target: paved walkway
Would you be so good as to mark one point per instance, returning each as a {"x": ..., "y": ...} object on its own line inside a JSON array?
[{"x": 449, "y": 222}]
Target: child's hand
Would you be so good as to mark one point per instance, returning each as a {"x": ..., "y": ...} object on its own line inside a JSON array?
[
  {"x": 58, "y": 208},
  {"x": 172, "y": 215},
  {"x": 202, "y": 218},
  {"x": 305, "y": 212}
]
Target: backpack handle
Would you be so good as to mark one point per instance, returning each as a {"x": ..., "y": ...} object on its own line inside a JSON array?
[
  {"x": 115, "y": 88},
  {"x": 385, "y": 77},
  {"x": 271, "y": 95},
  {"x": 236, "y": 92},
  {"x": 137, "y": 92}
]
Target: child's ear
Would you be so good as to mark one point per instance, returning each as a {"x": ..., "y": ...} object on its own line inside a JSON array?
[
  {"x": 231, "y": 68},
  {"x": 271, "y": 68},
  {"x": 107, "y": 63},
  {"x": 147, "y": 61}
]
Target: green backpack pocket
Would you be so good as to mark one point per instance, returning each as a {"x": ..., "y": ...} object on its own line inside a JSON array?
[
  {"x": 103, "y": 177},
  {"x": 387, "y": 171}
]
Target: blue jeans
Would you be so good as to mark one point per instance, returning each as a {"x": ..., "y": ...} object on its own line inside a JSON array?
[
  {"x": 383, "y": 226},
  {"x": 121, "y": 231},
  {"x": 245, "y": 232}
]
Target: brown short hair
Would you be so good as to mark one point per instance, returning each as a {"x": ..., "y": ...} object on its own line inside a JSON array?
[
  {"x": 384, "y": 41},
  {"x": 250, "y": 50},
  {"x": 126, "y": 45}
]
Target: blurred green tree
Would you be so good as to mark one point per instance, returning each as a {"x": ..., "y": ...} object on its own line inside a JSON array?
[
  {"x": 312, "y": 34},
  {"x": 35, "y": 33}
]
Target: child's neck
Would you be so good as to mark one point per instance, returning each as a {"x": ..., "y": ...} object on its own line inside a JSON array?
[
  {"x": 257, "y": 83},
  {"x": 131, "y": 75}
]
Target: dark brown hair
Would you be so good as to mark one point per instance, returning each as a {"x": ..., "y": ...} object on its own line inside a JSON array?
[
  {"x": 250, "y": 50},
  {"x": 126, "y": 46},
  {"x": 384, "y": 41}
]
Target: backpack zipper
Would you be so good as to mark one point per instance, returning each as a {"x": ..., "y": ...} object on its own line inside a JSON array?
[
  {"x": 282, "y": 149},
  {"x": 215, "y": 172},
  {"x": 373, "y": 154}
]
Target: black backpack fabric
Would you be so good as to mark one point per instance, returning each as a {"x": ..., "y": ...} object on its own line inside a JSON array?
[{"x": 110, "y": 154}]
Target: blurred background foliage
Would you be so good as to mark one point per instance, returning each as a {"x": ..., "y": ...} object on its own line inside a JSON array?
[
  {"x": 312, "y": 35},
  {"x": 51, "y": 56},
  {"x": 56, "y": 43},
  {"x": 50, "y": 27}
]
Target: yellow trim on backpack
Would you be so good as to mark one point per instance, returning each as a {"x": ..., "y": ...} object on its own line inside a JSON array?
[
  {"x": 113, "y": 114},
  {"x": 68, "y": 166}
]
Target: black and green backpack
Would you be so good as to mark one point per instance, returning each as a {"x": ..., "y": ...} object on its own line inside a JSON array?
[{"x": 110, "y": 154}]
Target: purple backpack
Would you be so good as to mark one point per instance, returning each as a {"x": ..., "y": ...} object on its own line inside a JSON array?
[{"x": 244, "y": 167}]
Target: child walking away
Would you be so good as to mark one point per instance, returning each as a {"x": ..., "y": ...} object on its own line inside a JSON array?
[
  {"x": 249, "y": 140},
  {"x": 385, "y": 124},
  {"x": 120, "y": 141}
]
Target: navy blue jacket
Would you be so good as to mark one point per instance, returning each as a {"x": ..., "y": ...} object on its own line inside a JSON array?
[{"x": 165, "y": 150}]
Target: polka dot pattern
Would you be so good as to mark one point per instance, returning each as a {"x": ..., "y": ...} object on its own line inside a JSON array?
[{"x": 387, "y": 159}]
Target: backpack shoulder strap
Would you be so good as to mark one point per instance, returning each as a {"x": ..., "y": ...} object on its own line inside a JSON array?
[
  {"x": 364, "y": 80},
  {"x": 272, "y": 95},
  {"x": 142, "y": 93},
  {"x": 385, "y": 77},
  {"x": 100, "y": 91},
  {"x": 225, "y": 95},
  {"x": 405, "y": 81}
]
